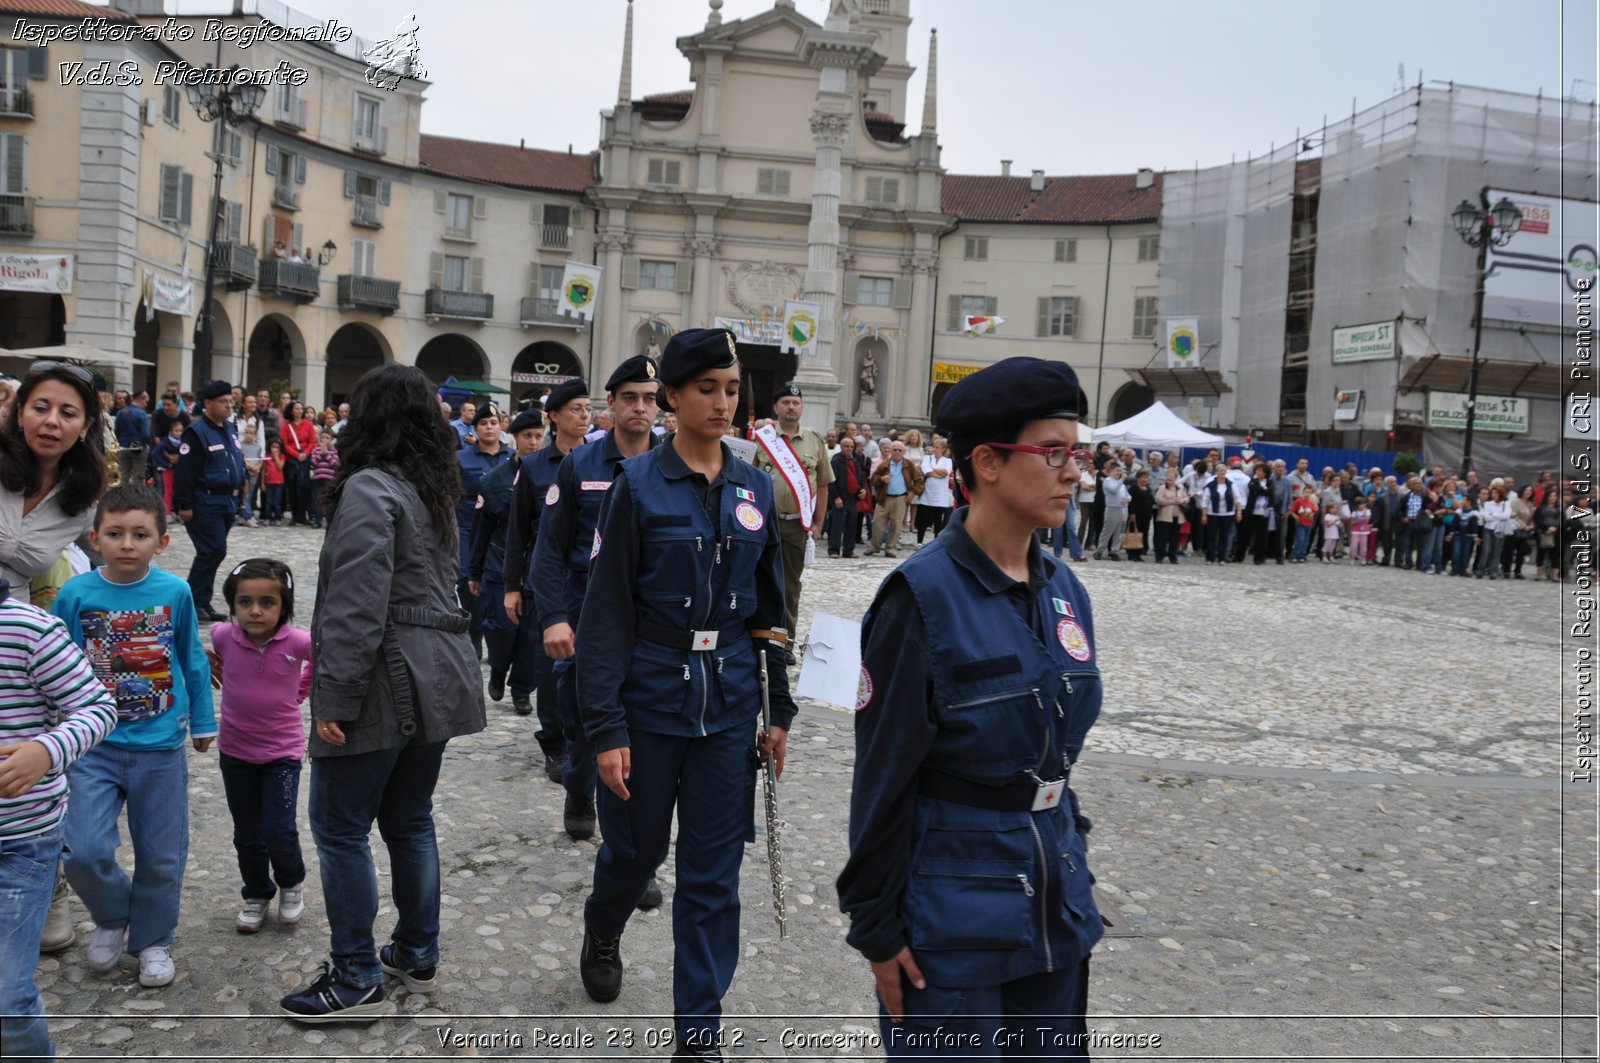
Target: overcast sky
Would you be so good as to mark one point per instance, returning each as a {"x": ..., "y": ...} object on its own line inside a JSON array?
[{"x": 1068, "y": 86}]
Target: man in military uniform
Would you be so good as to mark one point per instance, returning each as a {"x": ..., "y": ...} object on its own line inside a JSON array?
[
  {"x": 567, "y": 410},
  {"x": 513, "y": 647},
  {"x": 477, "y": 460},
  {"x": 205, "y": 489},
  {"x": 795, "y": 527},
  {"x": 561, "y": 569}
]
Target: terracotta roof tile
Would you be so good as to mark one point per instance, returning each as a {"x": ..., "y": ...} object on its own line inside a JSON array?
[
  {"x": 62, "y": 9},
  {"x": 1091, "y": 200},
  {"x": 507, "y": 164}
]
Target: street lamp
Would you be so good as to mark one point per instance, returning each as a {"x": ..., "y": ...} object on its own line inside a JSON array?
[
  {"x": 230, "y": 97},
  {"x": 326, "y": 255},
  {"x": 1481, "y": 226}
]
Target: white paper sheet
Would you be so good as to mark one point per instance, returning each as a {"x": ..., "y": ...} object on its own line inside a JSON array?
[{"x": 831, "y": 669}]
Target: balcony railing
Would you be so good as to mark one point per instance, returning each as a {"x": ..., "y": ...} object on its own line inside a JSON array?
[
  {"x": 463, "y": 235},
  {"x": 290, "y": 280},
  {"x": 471, "y": 306},
  {"x": 285, "y": 197},
  {"x": 541, "y": 311},
  {"x": 555, "y": 237},
  {"x": 291, "y": 113},
  {"x": 237, "y": 266},
  {"x": 372, "y": 142},
  {"x": 16, "y": 214},
  {"x": 366, "y": 213},
  {"x": 16, "y": 102},
  {"x": 368, "y": 293}
]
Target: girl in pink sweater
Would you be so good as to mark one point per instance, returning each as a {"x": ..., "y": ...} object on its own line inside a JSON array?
[{"x": 266, "y": 673}]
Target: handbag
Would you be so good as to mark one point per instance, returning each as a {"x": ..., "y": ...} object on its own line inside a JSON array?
[
  {"x": 1424, "y": 520},
  {"x": 1133, "y": 540}
]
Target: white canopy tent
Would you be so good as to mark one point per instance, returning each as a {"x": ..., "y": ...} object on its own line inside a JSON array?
[{"x": 1158, "y": 427}]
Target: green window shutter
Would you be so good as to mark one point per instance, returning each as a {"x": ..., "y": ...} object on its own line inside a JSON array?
[
  {"x": 953, "y": 314},
  {"x": 1073, "y": 306},
  {"x": 299, "y": 169},
  {"x": 533, "y": 280},
  {"x": 436, "y": 270},
  {"x": 15, "y": 151},
  {"x": 295, "y": 237},
  {"x": 438, "y": 200},
  {"x": 1044, "y": 316},
  {"x": 683, "y": 276},
  {"x": 900, "y": 293},
  {"x": 476, "y": 282},
  {"x": 630, "y": 271},
  {"x": 383, "y": 191},
  {"x": 171, "y": 185},
  {"x": 852, "y": 288},
  {"x": 38, "y": 63},
  {"x": 349, "y": 184},
  {"x": 272, "y": 158},
  {"x": 480, "y": 206},
  {"x": 991, "y": 306},
  {"x": 186, "y": 199}
]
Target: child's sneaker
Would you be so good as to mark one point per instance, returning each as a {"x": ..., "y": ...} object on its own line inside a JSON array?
[
  {"x": 291, "y": 905},
  {"x": 416, "y": 980},
  {"x": 155, "y": 966},
  {"x": 105, "y": 947},
  {"x": 251, "y": 916},
  {"x": 331, "y": 999}
]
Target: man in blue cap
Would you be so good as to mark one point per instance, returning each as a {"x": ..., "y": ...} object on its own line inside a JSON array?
[
  {"x": 205, "y": 489},
  {"x": 561, "y": 569},
  {"x": 568, "y": 411},
  {"x": 968, "y": 887}
]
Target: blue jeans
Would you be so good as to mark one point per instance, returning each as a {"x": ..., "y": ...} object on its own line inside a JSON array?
[
  {"x": 1432, "y": 548},
  {"x": 27, "y": 881},
  {"x": 395, "y": 788},
  {"x": 264, "y": 799},
  {"x": 1302, "y": 539},
  {"x": 1463, "y": 545},
  {"x": 272, "y": 502},
  {"x": 154, "y": 784},
  {"x": 1067, "y": 531},
  {"x": 247, "y": 508}
]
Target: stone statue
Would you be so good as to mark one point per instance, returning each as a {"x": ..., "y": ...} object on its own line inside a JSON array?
[
  {"x": 653, "y": 348},
  {"x": 869, "y": 373}
]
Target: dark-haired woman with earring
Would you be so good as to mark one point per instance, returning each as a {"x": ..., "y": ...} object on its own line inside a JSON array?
[
  {"x": 51, "y": 474},
  {"x": 396, "y": 678}
]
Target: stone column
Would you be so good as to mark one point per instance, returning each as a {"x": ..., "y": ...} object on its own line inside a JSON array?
[
  {"x": 817, "y": 375},
  {"x": 609, "y": 337},
  {"x": 916, "y": 360}
]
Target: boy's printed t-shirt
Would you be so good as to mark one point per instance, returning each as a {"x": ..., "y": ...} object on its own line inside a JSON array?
[{"x": 143, "y": 642}]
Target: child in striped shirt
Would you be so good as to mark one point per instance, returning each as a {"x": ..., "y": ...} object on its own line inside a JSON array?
[{"x": 52, "y": 711}]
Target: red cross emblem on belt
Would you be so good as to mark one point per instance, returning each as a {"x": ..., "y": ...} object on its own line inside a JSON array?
[
  {"x": 705, "y": 642},
  {"x": 1050, "y": 797}
]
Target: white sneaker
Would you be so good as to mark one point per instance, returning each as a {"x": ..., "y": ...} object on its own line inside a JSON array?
[
  {"x": 155, "y": 966},
  {"x": 105, "y": 947},
  {"x": 291, "y": 904},
  {"x": 251, "y": 916}
]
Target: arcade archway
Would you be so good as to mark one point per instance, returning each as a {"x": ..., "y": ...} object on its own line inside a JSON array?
[
  {"x": 275, "y": 345},
  {"x": 354, "y": 349},
  {"x": 452, "y": 355},
  {"x": 542, "y": 365}
]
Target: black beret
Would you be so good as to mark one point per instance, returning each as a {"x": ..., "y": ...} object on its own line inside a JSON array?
[
  {"x": 692, "y": 351},
  {"x": 527, "y": 419},
  {"x": 1012, "y": 391},
  {"x": 485, "y": 412},
  {"x": 790, "y": 390},
  {"x": 564, "y": 393},
  {"x": 640, "y": 369},
  {"x": 215, "y": 390}
]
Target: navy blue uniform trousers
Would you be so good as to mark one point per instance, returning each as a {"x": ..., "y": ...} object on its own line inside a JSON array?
[
  {"x": 711, "y": 781},
  {"x": 1039, "y": 1017},
  {"x": 208, "y": 529}
]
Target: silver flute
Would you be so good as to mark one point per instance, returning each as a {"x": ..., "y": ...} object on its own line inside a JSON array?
[{"x": 769, "y": 779}]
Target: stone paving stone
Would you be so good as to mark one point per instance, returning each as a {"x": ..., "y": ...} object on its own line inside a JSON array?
[{"x": 1394, "y": 854}]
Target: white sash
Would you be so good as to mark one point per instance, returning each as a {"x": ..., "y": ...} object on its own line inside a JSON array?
[{"x": 784, "y": 459}]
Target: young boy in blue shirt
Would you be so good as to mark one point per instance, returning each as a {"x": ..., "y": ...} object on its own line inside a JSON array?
[{"x": 137, "y": 625}]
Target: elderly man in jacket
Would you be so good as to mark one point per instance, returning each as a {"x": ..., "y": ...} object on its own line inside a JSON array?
[{"x": 896, "y": 484}]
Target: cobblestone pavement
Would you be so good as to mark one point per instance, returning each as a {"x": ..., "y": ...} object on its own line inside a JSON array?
[{"x": 1325, "y": 801}]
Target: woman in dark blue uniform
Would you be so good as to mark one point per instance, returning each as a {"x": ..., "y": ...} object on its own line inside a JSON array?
[
  {"x": 967, "y": 882},
  {"x": 477, "y": 462},
  {"x": 686, "y": 583}
]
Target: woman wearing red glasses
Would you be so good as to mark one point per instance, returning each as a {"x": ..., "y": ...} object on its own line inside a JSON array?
[{"x": 967, "y": 883}]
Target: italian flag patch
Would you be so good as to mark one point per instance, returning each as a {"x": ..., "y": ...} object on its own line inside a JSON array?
[
  {"x": 1062, "y": 607},
  {"x": 748, "y": 496}
]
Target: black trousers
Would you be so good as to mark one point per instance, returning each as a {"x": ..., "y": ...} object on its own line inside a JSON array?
[
  {"x": 1166, "y": 540},
  {"x": 933, "y": 517},
  {"x": 842, "y": 530}
]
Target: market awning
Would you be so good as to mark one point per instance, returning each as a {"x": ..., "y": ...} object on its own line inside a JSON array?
[
  {"x": 1496, "y": 376},
  {"x": 1184, "y": 382}
]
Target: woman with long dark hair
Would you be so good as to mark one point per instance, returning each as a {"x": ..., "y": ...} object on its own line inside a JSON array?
[
  {"x": 299, "y": 440},
  {"x": 52, "y": 469},
  {"x": 396, "y": 679}
]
